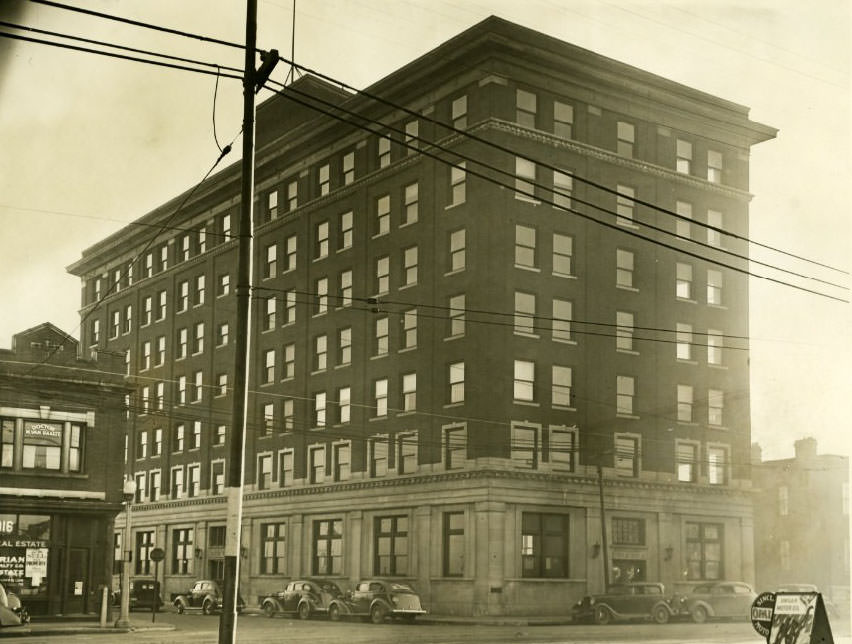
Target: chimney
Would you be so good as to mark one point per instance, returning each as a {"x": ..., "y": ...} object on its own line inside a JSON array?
[
  {"x": 756, "y": 454},
  {"x": 806, "y": 448}
]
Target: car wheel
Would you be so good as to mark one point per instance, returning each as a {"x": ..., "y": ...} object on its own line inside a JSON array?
[
  {"x": 304, "y": 610},
  {"x": 334, "y": 613},
  {"x": 180, "y": 608},
  {"x": 378, "y": 614},
  {"x": 699, "y": 614},
  {"x": 661, "y": 615},
  {"x": 603, "y": 615},
  {"x": 207, "y": 607},
  {"x": 269, "y": 609}
]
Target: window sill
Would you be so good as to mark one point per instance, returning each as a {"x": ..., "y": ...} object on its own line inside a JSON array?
[
  {"x": 376, "y": 418},
  {"x": 408, "y": 412},
  {"x": 318, "y": 371},
  {"x": 619, "y": 414},
  {"x": 406, "y": 286},
  {"x": 686, "y": 361},
  {"x": 564, "y": 407},
  {"x": 565, "y": 341},
  {"x": 566, "y": 276},
  {"x": 453, "y": 205},
  {"x": 712, "y": 365},
  {"x": 718, "y": 307},
  {"x": 627, "y": 224},
  {"x": 407, "y": 349},
  {"x": 529, "y": 200},
  {"x": 627, "y": 288},
  {"x": 523, "y": 334},
  {"x": 454, "y": 337},
  {"x": 454, "y": 404},
  {"x": 344, "y": 249},
  {"x": 454, "y": 272},
  {"x": 629, "y": 352},
  {"x": 531, "y": 269},
  {"x": 379, "y": 357},
  {"x": 526, "y": 403},
  {"x": 407, "y": 223},
  {"x": 318, "y": 259},
  {"x": 687, "y": 423},
  {"x": 686, "y": 300},
  {"x": 343, "y": 366},
  {"x": 378, "y": 235}
]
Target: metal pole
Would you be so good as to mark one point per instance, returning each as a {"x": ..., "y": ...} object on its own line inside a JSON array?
[
  {"x": 123, "y": 620},
  {"x": 604, "y": 547},
  {"x": 228, "y": 620}
]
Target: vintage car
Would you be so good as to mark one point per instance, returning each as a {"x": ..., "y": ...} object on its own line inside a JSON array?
[
  {"x": 623, "y": 602},
  {"x": 303, "y": 597},
  {"x": 143, "y": 594},
  {"x": 206, "y": 595},
  {"x": 12, "y": 612},
  {"x": 378, "y": 599},
  {"x": 718, "y": 599}
]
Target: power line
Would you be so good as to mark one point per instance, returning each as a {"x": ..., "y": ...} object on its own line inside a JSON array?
[{"x": 450, "y": 127}]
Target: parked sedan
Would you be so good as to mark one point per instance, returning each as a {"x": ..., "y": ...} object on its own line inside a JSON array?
[
  {"x": 304, "y": 597},
  {"x": 143, "y": 594},
  {"x": 730, "y": 599},
  {"x": 641, "y": 600},
  {"x": 378, "y": 599},
  {"x": 206, "y": 596}
]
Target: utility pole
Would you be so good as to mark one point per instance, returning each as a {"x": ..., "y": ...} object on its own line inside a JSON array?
[
  {"x": 604, "y": 547},
  {"x": 252, "y": 81}
]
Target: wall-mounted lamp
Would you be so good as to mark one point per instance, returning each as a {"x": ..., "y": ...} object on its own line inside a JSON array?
[
  {"x": 243, "y": 552},
  {"x": 199, "y": 553},
  {"x": 596, "y": 550},
  {"x": 669, "y": 552}
]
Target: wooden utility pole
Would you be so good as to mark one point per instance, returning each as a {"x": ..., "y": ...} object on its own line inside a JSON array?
[
  {"x": 236, "y": 452},
  {"x": 604, "y": 546}
]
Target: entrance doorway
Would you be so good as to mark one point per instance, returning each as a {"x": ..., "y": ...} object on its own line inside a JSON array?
[{"x": 77, "y": 581}]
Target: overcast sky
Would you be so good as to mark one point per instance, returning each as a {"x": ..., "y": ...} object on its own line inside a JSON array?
[{"x": 88, "y": 144}]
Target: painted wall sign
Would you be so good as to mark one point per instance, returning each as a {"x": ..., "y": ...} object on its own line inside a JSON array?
[{"x": 43, "y": 433}]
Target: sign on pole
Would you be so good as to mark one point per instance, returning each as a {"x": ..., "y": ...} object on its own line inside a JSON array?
[{"x": 791, "y": 618}]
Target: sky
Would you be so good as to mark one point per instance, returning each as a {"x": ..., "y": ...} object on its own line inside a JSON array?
[{"x": 89, "y": 144}]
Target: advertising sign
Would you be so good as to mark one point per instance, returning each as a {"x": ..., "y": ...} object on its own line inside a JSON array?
[
  {"x": 36, "y": 565},
  {"x": 761, "y": 613},
  {"x": 42, "y": 433},
  {"x": 791, "y": 618}
]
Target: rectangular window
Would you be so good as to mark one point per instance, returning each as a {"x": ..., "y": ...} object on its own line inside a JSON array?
[
  {"x": 221, "y": 431},
  {"x": 687, "y": 461},
  {"x": 344, "y": 294},
  {"x": 321, "y": 240},
  {"x": 625, "y": 394},
  {"x": 391, "y": 546},
  {"x": 147, "y": 311},
  {"x": 456, "y": 382},
  {"x": 456, "y": 315},
  {"x": 148, "y": 271},
  {"x": 562, "y": 315},
  {"x": 268, "y": 425},
  {"x": 563, "y": 120},
  {"x": 411, "y": 136},
  {"x": 409, "y": 329},
  {"x": 270, "y": 265},
  {"x": 714, "y": 166},
  {"x": 626, "y": 139},
  {"x": 223, "y": 285},
  {"x": 524, "y": 312},
  {"x": 321, "y": 297},
  {"x": 144, "y": 546},
  {"x": 704, "y": 551},
  {"x": 288, "y": 415},
  {"x": 544, "y": 545},
  {"x": 292, "y": 195},
  {"x": 324, "y": 179},
  {"x": 717, "y": 465},
  {"x": 142, "y": 445},
  {"x": 524, "y": 179},
  {"x": 683, "y": 225},
  {"x": 406, "y": 461},
  {"x": 380, "y": 397},
  {"x": 222, "y": 384},
  {"x": 683, "y": 338},
  {"x": 453, "y": 544},
  {"x": 115, "y": 326},
  {"x": 164, "y": 257},
  {"x": 268, "y": 367},
  {"x": 562, "y": 448},
  {"x": 382, "y": 284},
  {"x": 140, "y": 478},
  {"x": 217, "y": 478},
  {"x": 561, "y": 380},
  {"x": 525, "y": 108},
  {"x": 157, "y": 446},
  {"x": 222, "y": 333},
  {"x": 344, "y": 405},
  {"x": 624, "y": 327},
  {"x": 200, "y": 286},
  {"x": 409, "y": 266},
  {"x": 378, "y": 454},
  {"x": 563, "y": 254},
  {"x": 628, "y": 532},
  {"x": 525, "y": 447},
  {"x": 272, "y": 205},
  {"x": 624, "y": 206},
  {"x": 382, "y": 226},
  {"x": 348, "y": 168},
  {"x": 627, "y": 456},
  {"x": 384, "y": 151},
  {"x": 182, "y": 551},
  {"x": 181, "y": 390},
  {"x": 715, "y": 406},
  {"x": 455, "y": 447},
  {"x": 411, "y": 205},
  {"x": 346, "y": 230},
  {"x": 409, "y": 392},
  {"x": 177, "y": 482},
  {"x": 714, "y": 229},
  {"x": 290, "y": 257},
  {"x": 683, "y": 281},
  {"x": 683, "y": 156},
  {"x": 285, "y": 468},
  {"x": 146, "y": 356},
  {"x": 161, "y": 351},
  {"x": 525, "y": 246},
  {"x": 179, "y": 437},
  {"x": 328, "y": 547},
  {"x": 714, "y": 287},
  {"x": 155, "y": 485},
  {"x": 198, "y": 386},
  {"x": 714, "y": 346},
  {"x": 458, "y": 113},
  {"x": 320, "y": 352},
  {"x": 344, "y": 346},
  {"x": 684, "y": 403},
  {"x": 457, "y": 184},
  {"x": 524, "y": 388},
  {"x": 316, "y": 463},
  {"x": 320, "y": 407},
  {"x": 342, "y": 461},
  {"x": 264, "y": 471},
  {"x": 162, "y": 298},
  {"x": 382, "y": 340},
  {"x": 289, "y": 307},
  {"x": 198, "y": 338},
  {"x": 193, "y": 480},
  {"x": 273, "y": 559},
  {"x": 457, "y": 245}
]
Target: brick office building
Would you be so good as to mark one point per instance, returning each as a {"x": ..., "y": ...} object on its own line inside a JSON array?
[
  {"x": 440, "y": 363},
  {"x": 63, "y": 431}
]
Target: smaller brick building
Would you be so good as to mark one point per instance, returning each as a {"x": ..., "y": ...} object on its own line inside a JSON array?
[
  {"x": 62, "y": 444},
  {"x": 801, "y": 521}
]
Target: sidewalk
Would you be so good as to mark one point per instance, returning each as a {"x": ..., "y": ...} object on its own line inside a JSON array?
[{"x": 77, "y": 627}]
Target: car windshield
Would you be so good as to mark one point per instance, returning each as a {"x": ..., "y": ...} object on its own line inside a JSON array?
[{"x": 401, "y": 588}]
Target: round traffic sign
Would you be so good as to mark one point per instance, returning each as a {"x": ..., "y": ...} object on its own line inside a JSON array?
[
  {"x": 762, "y": 609},
  {"x": 157, "y": 554}
]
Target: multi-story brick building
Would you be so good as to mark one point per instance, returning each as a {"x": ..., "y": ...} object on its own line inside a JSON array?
[
  {"x": 801, "y": 521},
  {"x": 63, "y": 433},
  {"x": 441, "y": 357}
]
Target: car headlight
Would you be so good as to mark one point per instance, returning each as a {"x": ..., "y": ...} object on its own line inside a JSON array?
[{"x": 395, "y": 599}]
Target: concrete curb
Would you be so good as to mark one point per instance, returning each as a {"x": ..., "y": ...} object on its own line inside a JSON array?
[{"x": 43, "y": 630}]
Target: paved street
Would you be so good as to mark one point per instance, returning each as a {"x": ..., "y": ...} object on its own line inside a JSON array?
[{"x": 191, "y": 629}]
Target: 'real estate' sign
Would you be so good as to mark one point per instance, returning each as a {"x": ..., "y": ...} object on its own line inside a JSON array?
[{"x": 791, "y": 618}]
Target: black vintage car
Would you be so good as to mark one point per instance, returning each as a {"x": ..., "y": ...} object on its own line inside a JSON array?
[
  {"x": 303, "y": 597},
  {"x": 205, "y": 596},
  {"x": 623, "y": 602},
  {"x": 718, "y": 599},
  {"x": 143, "y": 594},
  {"x": 378, "y": 599}
]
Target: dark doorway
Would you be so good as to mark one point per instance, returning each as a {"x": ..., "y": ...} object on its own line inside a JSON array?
[{"x": 77, "y": 581}]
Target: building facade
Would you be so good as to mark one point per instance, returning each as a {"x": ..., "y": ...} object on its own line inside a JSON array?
[
  {"x": 63, "y": 432},
  {"x": 464, "y": 303},
  {"x": 801, "y": 521}
]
